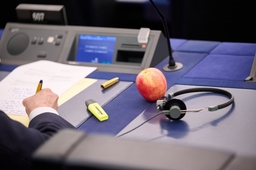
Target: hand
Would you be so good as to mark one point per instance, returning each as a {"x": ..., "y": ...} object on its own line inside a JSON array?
[{"x": 44, "y": 98}]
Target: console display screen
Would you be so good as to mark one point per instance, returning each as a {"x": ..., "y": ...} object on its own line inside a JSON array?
[{"x": 95, "y": 49}]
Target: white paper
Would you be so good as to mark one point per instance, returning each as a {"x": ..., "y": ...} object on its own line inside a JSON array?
[{"x": 22, "y": 82}]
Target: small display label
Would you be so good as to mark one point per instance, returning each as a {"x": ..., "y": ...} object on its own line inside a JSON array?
[{"x": 95, "y": 49}]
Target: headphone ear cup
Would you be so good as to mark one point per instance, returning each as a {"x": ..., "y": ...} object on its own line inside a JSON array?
[{"x": 175, "y": 106}]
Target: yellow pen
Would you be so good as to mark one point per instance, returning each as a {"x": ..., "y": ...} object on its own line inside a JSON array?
[
  {"x": 109, "y": 83},
  {"x": 39, "y": 86}
]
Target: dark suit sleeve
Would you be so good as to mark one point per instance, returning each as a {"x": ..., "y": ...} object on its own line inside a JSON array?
[{"x": 17, "y": 142}]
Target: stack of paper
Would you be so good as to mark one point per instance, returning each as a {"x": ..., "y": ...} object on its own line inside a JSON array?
[{"x": 22, "y": 82}]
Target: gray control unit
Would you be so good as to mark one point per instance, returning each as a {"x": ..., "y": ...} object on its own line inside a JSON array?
[{"x": 108, "y": 49}]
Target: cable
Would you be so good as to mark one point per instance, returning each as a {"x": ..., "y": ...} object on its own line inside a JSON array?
[{"x": 139, "y": 125}]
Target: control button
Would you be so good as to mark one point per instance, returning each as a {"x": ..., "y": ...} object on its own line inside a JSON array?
[
  {"x": 42, "y": 54},
  {"x": 41, "y": 41},
  {"x": 57, "y": 42},
  {"x": 50, "y": 39},
  {"x": 59, "y": 36},
  {"x": 34, "y": 40}
]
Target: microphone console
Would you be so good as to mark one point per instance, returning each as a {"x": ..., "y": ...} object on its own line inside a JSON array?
[{"x": 108, "y": 49}]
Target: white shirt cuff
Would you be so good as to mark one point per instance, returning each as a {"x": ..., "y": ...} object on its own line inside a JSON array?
[{"x": 41, "y": 110}]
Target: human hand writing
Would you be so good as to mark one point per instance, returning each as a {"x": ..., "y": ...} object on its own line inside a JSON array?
[{"x": 44, "y": 98}]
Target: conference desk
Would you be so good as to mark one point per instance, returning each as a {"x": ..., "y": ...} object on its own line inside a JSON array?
[{"x": 205, "y": 63}]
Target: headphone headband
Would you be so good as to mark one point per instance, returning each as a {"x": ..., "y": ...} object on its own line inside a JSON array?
[{"x": 203, "y": 89}]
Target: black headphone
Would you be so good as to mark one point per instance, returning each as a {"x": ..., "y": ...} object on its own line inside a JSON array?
[{"x": 176, "y": 109}]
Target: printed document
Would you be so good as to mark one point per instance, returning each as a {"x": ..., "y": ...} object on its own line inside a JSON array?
[{"x": 22, "y": 82}]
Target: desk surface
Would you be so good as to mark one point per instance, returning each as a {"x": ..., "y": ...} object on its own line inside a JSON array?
[
  {"x": 222, "y": 65},
  {"x": 206, "y": 63}
]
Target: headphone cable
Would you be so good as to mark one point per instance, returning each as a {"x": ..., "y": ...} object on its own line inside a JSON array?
[{"x": 139, "y": 125}]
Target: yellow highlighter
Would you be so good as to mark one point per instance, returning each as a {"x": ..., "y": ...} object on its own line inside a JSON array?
[{"x": 96, "y": 110}]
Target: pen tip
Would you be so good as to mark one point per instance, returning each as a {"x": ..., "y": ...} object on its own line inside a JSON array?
[{"x": 41, "y": 81}]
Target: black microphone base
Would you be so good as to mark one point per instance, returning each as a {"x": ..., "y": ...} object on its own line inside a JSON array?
[{"x": 177, "y": 67}]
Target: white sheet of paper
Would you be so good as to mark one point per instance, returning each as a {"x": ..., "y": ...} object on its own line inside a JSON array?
[{"x": 22, "y": 82}]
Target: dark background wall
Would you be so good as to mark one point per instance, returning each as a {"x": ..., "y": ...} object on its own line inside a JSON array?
[{"x": 215, "y": 20}]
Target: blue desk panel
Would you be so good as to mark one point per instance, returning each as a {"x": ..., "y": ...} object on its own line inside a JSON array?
[
  {"x": 176, "y": 43},
  {"x": 198, "y": 46},
  {"x": 1, "y": 32},
  {"x": 236, "y": 49},
  {"x": 222, "y": 67}
]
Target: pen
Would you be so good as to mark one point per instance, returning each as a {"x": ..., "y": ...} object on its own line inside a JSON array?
[
  {"x": 39, "y": 86},
  {"x": 109, "y": 83}
]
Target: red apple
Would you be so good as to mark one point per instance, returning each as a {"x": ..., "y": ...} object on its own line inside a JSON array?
[{"x": 151, "y": 84}]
